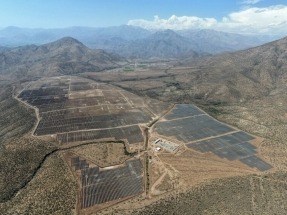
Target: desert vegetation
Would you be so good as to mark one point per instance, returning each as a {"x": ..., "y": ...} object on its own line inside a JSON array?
[
  {"x": 239, "y": 195},
  {"x": 51, "y": 191}
]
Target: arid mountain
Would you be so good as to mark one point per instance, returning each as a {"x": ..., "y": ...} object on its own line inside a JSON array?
[
  {"x": 127, "y": 40},
  {"x": 14, "y": 36},
  {"x": 171, "y": 44},
  {"x": 65, "y": 56},
  {"x": 233, "y": 77},
  {"x": 247, "y": 74},
  {"x": 214, "y": 42},
  {"x": 162, "y": 44}
]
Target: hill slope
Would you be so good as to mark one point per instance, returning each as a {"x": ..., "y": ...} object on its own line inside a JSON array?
[
  {"x": 247, "y": 74},
  {"x": 65, "y": 56}
]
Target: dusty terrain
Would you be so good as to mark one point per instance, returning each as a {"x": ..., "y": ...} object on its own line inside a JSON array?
[
  {"x": 108, "y": 154},
  {"x": 238, "y": 195}
]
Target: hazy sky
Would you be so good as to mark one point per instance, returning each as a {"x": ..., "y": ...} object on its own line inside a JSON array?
[{"x": 242, "y": 16}]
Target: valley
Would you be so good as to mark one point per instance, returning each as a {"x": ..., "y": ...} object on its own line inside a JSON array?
[{"x": 107, "y": 135}]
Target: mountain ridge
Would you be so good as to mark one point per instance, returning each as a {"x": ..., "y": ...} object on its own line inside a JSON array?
[
  {"x": 247, "y": 74},
  {"x": 64, "y": 56},
  {"x": 119, "y": 39}
]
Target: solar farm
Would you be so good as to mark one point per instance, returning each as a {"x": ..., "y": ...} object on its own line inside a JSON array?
[
  {"x": 103, "y": 185},
  {"x": 77, "y": 110},
  {"x": 201, "y": 132}
]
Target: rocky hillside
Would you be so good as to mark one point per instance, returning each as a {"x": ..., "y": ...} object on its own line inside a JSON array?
[
  {"x": 65, "y": 56},
  {"x": 242, "y": 75}
]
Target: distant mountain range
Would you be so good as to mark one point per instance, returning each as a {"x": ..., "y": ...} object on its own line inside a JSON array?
[
  {"x": 162, "y": 44},
  {"x": 62, "y": 57},
  {"x": 14, "y": 36},
  {"x": 135, "y": 42}
]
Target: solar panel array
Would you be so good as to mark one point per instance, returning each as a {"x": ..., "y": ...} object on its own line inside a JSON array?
[
  {"x": 73, "y": 114},
  {"x": 203, "y": 133},
  {"x": 192, "y": 128},
  {"x": 132, "y": 134},
  {"x": 233, "y": 146},
  {"x": 100, "y": 186},
  {"x": 79, "y": 164},
  {"x": 184, "y": 110},
  {"x": 66, "y": 124}
]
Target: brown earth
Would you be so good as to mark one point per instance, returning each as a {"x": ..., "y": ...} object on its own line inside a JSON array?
[{"x": 103, "y": 154}]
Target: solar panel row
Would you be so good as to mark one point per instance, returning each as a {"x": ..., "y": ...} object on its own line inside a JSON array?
[
  {"x": 79, "y": 164},
  {"x": 233, "y": 146},
  {"x": 192, "y": 128},
  {"x": 188, "y": 124},
  {"x": 132, "y": 134},
  {"x": 99, "y": 186},
  {"x": 91, "y": 122},
  {"x": 183, "y": 110}
]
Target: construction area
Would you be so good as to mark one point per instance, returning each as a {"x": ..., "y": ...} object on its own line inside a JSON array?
[{"x": 167, "y": 145}]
